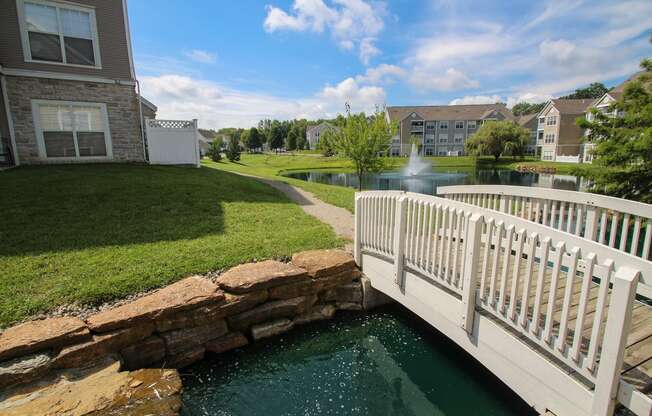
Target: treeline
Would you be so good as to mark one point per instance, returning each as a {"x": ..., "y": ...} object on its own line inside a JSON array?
[{"x": 277, "y": 134}]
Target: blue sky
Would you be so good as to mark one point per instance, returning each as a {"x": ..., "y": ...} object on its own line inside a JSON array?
[{"x": 232, "y": 63}]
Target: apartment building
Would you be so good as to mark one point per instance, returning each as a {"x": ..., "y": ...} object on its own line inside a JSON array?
[
  {"x": 559, "y": 138},
  {"x": 440, "y": 130},
  {"x": 314, "y": 133},
  {"x": 530, "y": 122},
  {"x": 67, "y": 84}
]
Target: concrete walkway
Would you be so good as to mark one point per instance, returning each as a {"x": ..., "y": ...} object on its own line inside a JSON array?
[{"x": 340, "y": 219}]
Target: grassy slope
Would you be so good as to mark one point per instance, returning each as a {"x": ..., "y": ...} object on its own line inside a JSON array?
[
  {"x": 273, "y": 166},
  {"x": 89, "y": 234}
]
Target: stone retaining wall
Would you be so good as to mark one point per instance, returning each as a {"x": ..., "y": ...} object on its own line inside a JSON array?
[{"x": 177, "y": 325}]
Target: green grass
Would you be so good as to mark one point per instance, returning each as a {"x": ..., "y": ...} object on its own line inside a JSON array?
[
  {"x": 275, "y": 166},
  {"x": 89, "y": 234}
]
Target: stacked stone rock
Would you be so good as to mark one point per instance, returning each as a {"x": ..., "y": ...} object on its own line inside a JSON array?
[{"x": 175, "y": 326}]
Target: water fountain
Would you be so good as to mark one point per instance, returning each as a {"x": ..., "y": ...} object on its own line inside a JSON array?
[{"x": 416, "y": 166}]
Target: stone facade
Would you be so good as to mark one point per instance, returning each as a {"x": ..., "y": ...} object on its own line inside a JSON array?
[
  {"x": 179, "y": 324},
  {"x": 122, "y": 108}
]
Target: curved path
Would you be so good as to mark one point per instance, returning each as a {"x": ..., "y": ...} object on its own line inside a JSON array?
[{"x": 340, "y": 219}]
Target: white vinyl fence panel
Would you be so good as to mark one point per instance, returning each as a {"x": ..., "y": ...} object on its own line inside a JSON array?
[{"x": 173, "y": 142}]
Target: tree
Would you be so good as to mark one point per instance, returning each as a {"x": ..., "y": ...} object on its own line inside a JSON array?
[
  {"x": 326, "y": 145},
  {"x": 595, "y": 90},
  {"x": 218, "y": 142},
  {"x": 292, "y": 139},
  {"x": 276, "y": 135},
  {"x": 363, "y": 140},
  {"x": 524, "y": 108},
  {"x": 623, "y": 144},
  {"x": 233, "y": 150},
  {"x": 215, "y": 151},
  {"x": 498, "y": 137},
  {"x": 254, "y": 139}
]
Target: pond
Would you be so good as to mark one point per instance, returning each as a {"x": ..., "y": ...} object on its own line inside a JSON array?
[
  {"x": 388, "y": 362},
  {"x": 428, "y": 183}
]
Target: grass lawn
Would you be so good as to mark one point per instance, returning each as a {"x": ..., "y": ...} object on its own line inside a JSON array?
[
  {"x": 93, "y": 233},
  {"x": 273, "y": 166}
]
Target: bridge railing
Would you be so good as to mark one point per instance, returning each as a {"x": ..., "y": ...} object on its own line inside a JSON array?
[
  {"x": 570, "y": 296},
  {"x": 619, "y": 223}
]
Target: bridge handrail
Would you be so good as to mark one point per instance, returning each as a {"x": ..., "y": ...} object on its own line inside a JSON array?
[
  {"x": 619, "y": 223},
  {"x": 451, "y": 243}
]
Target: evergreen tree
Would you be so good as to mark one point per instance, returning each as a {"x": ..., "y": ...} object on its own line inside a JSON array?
[
  {"x": 623, "y": 151},
  {"x": 233, "y": 150},
  {"x": 254, "y": 139}
]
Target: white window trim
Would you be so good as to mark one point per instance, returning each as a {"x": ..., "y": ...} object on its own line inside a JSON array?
[
  {"x": 442, "y": 124},
  {"x": 24, "y": 38},
  {"x": 459, "y": 128},
  {"x": 40, "y": 141}
]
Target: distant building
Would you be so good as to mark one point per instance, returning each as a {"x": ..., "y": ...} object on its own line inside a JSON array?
[
  {"x": 440, "y": 130},
  {"x": 314, "y": 133},
  {"x": 529, "y": 121},
  {"x": 559, "y": 138},
  {"x": 603, "y": 104}
]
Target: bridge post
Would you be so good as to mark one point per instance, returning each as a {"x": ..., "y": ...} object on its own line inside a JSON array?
[
  {"x": 400, "y": 231},
  {"x": 471, "y": 266},
  {"x": 357, "y": 233},
  {"x": 591, "y": 223},
  {"x": 614, "y": 342}
]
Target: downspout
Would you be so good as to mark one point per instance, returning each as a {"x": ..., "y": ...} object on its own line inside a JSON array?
[
  {"x": 140, "y": 121},
  {"x": 10, "y": 122}
]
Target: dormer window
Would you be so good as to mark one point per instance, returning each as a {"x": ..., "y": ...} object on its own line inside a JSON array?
[{"x": 58, "y": 33}]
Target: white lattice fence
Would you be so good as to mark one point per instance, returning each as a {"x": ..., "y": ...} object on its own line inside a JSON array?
[{"x": 173, "y": 142}]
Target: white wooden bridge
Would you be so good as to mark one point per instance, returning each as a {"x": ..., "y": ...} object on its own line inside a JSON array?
[{"x": 547, "y": 289}]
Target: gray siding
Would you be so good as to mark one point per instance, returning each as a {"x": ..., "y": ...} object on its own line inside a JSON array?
[{"x": 110, "y": 29}]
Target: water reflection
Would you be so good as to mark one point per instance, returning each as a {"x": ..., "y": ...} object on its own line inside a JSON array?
[{"x": 428, "y": 183}]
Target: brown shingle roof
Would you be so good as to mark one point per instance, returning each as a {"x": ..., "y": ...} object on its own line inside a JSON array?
[
  {"x": 524, "y": 119},
  {"x": 449, "y": 112},
  {"x": 567, "y": 106}
]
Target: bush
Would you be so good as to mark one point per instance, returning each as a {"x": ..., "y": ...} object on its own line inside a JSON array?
[{"x": 215, "y": 151}]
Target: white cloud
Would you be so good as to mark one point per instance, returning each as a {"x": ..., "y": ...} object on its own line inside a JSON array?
[
  {"x": 217, "y": 106},
  {"x": 349, "y": 91},
  {"x": 352, "y": 23},
  {"x": 554, "y": 9},
  {"x": 368, "y": 50},
  {"x": 382, "y": 74},
  {"x": 450, "y": 80},
  {"x": 492, "y": 99},
  {"x": 476, "y": 99},
  {"x": 201, "y": 56}
]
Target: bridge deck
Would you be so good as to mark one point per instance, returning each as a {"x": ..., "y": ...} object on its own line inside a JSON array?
[{"x": 637, "y": 368}]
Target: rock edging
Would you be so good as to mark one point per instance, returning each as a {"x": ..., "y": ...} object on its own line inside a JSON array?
[{"x": 175, "y": 326}]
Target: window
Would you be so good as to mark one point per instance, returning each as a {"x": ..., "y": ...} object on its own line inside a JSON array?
[
  {"x": 459, "y": 138},
  {"x": 542, "y": 121},
  {"x": 443, "y": 125},
  {"x": 58, "y": 33},
  {"x": 395, "y": 152},
  {"x": 430, "y": 139},
  {"x": 549, "y": 138},
  {"x": 551, "y": 120},
  {"x": 459, "y": 124},
  {"x": 71, "y": 130},
  {"x": 547, "y": 155},
  {"x": 430, "y": 125},
  {"x": 429, "y": 151},
  {"x": 443, "y": 138},
  {"x": 471, "y": 124}
]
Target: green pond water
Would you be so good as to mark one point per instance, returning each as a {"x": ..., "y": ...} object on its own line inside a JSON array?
[{"x": 384, "y": 363}]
